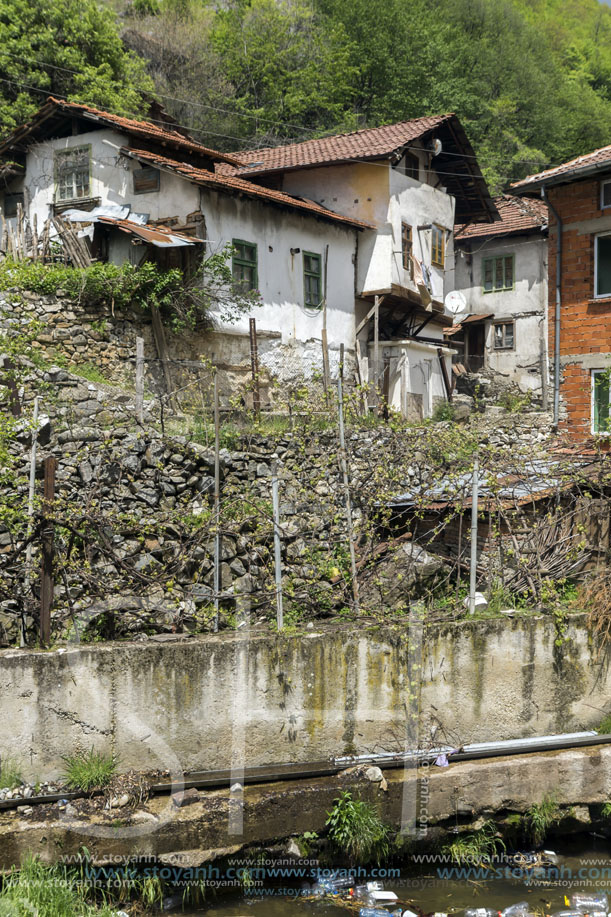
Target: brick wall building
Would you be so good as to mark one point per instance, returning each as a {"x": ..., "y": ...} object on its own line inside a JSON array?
[{"x": 579, "y": 195}]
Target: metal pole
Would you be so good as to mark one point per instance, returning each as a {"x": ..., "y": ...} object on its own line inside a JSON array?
[
  {"x": 376, "y": 350},
  {"x": 140, "y": 379},
  {"x": 344, "y": 469},
  {"x": 46, "y": 582},
  {"x": 254, "y": 367},
  {"x": 277, "y": 547},
  {"x": 217, "y": 504},
  {"x": 473, "y": 567},
  {"x": 28, "y": 550}
]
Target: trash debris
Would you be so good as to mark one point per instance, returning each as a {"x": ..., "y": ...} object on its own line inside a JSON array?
[
  {"x": 379, "y": 912},
  {"x": 521, "y": 909},
  {"x": 482, "y": 912},
  {"x": 597, "y": 901}
]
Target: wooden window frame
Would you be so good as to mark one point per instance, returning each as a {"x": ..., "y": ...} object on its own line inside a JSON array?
[
  {"x": 438, "y": 252},
  {"x": 603, "y": 184},
  {"x": 310, "y": 273},
  {"x": 57, "y": 156},
  {"x": 407, "y": 249},
  {"x": 504, "y": 346},
  {"x": 238, "y": 261},
  {"x": 593, "y": 374},
  {"x": 492, "y": 259},
  {"x": 150, "y": 189}
]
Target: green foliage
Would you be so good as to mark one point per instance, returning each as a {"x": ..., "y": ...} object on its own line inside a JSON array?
[
  {"x": 68, "y": 49},
  {"x": 49, "y": 891},
  {"x": 478, "y": 847},
  {"x": 604, "y": 728},
  {"x": 540, "y": 817},
  {"x": 443, "y": 411},
  {"x": 356, "y": 830},
  {"x": 91, "y": 770},
  {"x": 606, "y": 810},
  {"x": 184, "y": 303},
  {"x": 514, "y": 403},
  {"x": 530, "y": 79},
  {"x": 10, "y": 775}
]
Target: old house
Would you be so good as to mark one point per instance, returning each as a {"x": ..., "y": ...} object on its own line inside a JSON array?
[
  {"x": 579, "y": 271},
  {"x": 144, "y": 191},
  {"x": 501, "y": 272},
  {"x": 348, "y": 238},
  {"x": 411, "y": 182}
]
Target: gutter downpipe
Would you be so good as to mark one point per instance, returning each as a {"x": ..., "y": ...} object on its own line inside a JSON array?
[{"x": 557, "y": 309}]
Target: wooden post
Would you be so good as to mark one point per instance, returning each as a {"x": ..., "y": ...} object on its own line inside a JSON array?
[
  {"x": 254, "y": 367},
  {"x": 46, "y": 581},
  {"x": 341, "y": 361},
  {"x": 326, "y": 374},
  {"x": 217, "y": 504},
  {"x": 140, "y": 379},
  {"x": 13, "y": 391},
  {"x": 344, "y": 470},
  {"x": 473, "y": 565},
  {"x": 32, "y": 483},
  {"x": 376, "y": 349},
  {"x": 162, "y": 350},
  {"x": 277, "y": 547}
]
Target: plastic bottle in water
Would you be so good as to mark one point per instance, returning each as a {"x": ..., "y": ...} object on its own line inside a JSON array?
[
  {"x": 597, "y": 901},
  {"x": 481, "y": 912},
  {"x": 521, "y": 909},
  {"x": 378, "y": 912}
]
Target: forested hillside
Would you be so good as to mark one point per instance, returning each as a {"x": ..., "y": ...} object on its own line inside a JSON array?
[{"x": 530, "y": 79}]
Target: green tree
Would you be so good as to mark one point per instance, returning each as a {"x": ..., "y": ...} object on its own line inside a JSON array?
[{"x": 68, "y": 48}]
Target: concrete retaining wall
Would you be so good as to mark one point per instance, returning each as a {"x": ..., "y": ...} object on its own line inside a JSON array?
[{"x": 211, "y": 702}]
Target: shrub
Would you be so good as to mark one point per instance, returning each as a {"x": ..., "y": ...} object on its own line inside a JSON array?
[
  {"x": 90, "y": 770},
  {"x": 478, "y": 847},
  {"x": 540, "y": 817},
  {"x": 356, "y": 829}
]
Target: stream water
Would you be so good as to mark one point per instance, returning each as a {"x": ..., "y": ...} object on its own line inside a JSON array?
[{"x": 579, "y": 868}]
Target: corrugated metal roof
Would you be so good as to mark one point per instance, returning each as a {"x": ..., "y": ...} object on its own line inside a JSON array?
[
  {"x": 542, "y": 478},
  {"x": 144, "y": 129},
  {"x": 597, "y": 160},
  {"x": 160, "y": 236},
  {"x": 517, "y": 215},
  {"x": 234, "y": 184},
  {"x": 369, "y": 143}
]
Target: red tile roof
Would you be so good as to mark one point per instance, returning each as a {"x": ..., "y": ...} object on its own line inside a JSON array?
[
  {"x": 517, "y": 215},
  {"x": 370, "y": 143},
  {"x": 230, "y": 183},
  {"x": 591, "y": 162},
  {"x": 143, "y": 129}
]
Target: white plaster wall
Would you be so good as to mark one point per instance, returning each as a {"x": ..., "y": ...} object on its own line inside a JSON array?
[
  {"x": 379, "y": 194},
  {"x": 526, "y": 304},
  {"x": 280, "y": 273},
  {"x": 111, "y": 179},
  {"x": 414, "y": 370},
  {"x": 419, "y": 204}
]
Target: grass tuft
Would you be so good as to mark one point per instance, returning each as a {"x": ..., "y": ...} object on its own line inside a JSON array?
[
  {"x": 478, "y": 847},
  {"x": 49, "y": 891},
  {"x": 540, "y": 817},
  {"x": 10, "y": 776},
  {"x": 356, "y": 829},
  {"x": 89, "y": 770}
]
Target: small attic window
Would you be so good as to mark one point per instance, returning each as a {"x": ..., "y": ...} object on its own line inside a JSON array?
[
  {"x": 409, "y": 165},
  {"x": 145, "y": 180}
]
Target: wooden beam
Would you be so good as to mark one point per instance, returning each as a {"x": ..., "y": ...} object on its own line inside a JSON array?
[{"x": 361, "y": 325}]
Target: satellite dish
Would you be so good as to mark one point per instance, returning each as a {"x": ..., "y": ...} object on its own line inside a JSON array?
[
  {"x": 437, "y": 147},
  {"x": 455, "y": 302}
]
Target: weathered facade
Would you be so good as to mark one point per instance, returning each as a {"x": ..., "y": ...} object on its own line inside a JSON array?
[
  {"x": 579, "y": 272},
  {"x": 501, "y": 270}
]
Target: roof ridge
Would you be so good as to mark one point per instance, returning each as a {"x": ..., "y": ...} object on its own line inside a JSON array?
[{"x": 360, "y": 130}]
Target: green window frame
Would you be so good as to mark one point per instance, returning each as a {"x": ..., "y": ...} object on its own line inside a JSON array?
[
  {"x": 498, "y": 273},
  {"x": 72, "y": 169},
  {"x": 244, "y": 265},
  {"x": 601, "y": 393},
  {"x": 312, "y": 280}
]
